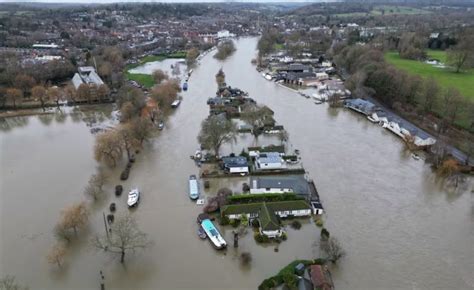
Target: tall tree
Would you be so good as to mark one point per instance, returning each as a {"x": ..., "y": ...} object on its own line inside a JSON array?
[
  {"x": 73, "y": 218},
  {"x": 14, "y": 96},
  {"x": 257, "y": 117},
  {"x": 220, "y": 78},
  {"x": 108, "y": 147},
  {"x": 39, "y": 93},
  {"x": 165, "y": 94},
  {"x": 461, "y": 56},
  {"x": 215, "y": 131},
  {"x": 430, "y": 94},
  {"x": 55, "y": 94},
  {"x": 159, "y": 76},
  {"x": 191, "y": 56},
  {"x": 124, "y": 237}
]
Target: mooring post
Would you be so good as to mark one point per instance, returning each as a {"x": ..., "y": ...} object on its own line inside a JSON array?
[
  {"x": 236, "y": 239},
  {"x": 105, "y": 224},
  {"x": 102, "y": 284}
]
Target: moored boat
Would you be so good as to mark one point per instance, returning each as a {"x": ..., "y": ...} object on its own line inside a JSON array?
[
  {"x": 201, "y": 233},
  {"x": 175, "y": 104},
  {"x": 213, "y": 234},
  {"x": 133, "y": 197},
  {"x": 185, "y": 86},
  {"x": 161, "y": 125},
  {"x": 193, "y": 187}
]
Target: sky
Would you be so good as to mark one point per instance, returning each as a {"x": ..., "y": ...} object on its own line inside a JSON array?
[{"x": 151, "y": 1}]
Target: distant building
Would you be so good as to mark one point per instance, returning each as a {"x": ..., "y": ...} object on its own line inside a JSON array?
[
  {"x": 86, "y": 75},
  {"x": 45, "y": 46}
]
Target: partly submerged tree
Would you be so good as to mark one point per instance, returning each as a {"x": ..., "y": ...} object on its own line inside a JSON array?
[
  {"x": 108, "y": 147},
  {"x": 56, "y": 255},
  {"x": 257, "y": 117},
  {"x": 191, "y": 56},
  {"x": 124, "y": 237},
  {"x": 73, "y": 219},
  {"x": 159, "y": 76},
  {"x": 8, "y": 283},
  {"x": 333, "y": 249},
  {"x": 215, "y": 131},
  {"x": 94, "y": 188},
  {"x": 220, "y": 78}
]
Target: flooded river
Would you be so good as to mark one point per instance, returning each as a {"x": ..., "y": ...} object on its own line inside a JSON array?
[{"x": 399, "y": 227}]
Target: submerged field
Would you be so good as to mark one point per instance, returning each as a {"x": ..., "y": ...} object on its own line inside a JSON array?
[{"x": 445, "y": 77}]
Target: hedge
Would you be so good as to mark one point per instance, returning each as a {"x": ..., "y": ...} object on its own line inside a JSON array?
[{"x": 267, "y": 197}]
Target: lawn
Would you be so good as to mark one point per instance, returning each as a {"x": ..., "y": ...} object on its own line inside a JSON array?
[
  {"x": 388, "y": 10},
  {"x": 445, "y": 77},
  {"x": 144, "y": 79}
]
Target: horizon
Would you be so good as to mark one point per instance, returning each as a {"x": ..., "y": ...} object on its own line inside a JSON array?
[{"x": 159, "y": 1}]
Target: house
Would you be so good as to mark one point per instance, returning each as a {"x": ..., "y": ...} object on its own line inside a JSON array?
[
  {"x": 321, "y": 278},
  {"x": 237, "y": 164},
  {"x": 268, "y": 213},
  {"x": 280, "y": 184},
  {"x": 269, "y": 161},
  {"x": 86, "y": 75},
  {"x": 361, "y": 106}
]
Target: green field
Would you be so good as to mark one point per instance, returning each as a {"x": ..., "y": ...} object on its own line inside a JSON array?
[
  {"x": 445, "y": 77},
  {"x": 144, "y": 79},
  {"x": 388, "y": 10}
]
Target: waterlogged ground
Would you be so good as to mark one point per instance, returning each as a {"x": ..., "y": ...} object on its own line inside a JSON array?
[{"x": 400, "y": 227}]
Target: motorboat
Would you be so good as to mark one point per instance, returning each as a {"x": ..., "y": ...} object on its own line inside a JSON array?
[
  {"x": 161, "y": 125},
  {"x": 201, "y": 233},
  {"x": 175, "y": 104},
  {"x": 193, "y": 187},
  {"x": 185, "y": 86},
  {"x": 133, "y": 197},
  {"x": 415, "y": 156}
]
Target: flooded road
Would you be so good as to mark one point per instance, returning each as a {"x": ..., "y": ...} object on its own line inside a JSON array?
[{"x": 400, "y": 229}]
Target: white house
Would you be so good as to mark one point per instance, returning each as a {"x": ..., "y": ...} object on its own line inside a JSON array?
[
  {"x": 86, "y": 75},
  {"x": 269, "y": 161}
]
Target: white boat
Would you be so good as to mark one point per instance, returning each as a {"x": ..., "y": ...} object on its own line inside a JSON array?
[
  {"x": 133, "y": 197},
  {"x": 193, "y": 187},
  {"x": 161, "y": 125},
  {"x": 415, "y": 156},
  {"x": 198, "y": 155},
  {"x": 175, "y": 104},
  {"x": 213, "y": 234}
]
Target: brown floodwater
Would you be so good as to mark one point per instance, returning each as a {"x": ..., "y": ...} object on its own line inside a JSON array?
[{"x": 401, "y": 228}]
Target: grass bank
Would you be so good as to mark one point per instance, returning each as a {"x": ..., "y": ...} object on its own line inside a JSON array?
[
  {"x": 445, "y": 77},
  {"x": 145, "y": 79}
]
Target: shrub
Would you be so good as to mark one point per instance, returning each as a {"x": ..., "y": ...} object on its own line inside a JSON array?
[
  {"x": 261, "y": 239},
  {"x": 245, "y": 187},
  {"x": 235, "y": 223},
  {"x": 319, "y": 222},
  {"x": 255, "y": 223},
  {"x": 324, "y": 234},
  {"x": 245, "y": 258},
  {"x": 224, "y": 221},
  {"x": 296, "y": 224},
  {"x": 284, "y": 237}
]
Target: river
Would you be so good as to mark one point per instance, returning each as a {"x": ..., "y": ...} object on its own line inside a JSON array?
[{"x": 400, "y": 228}]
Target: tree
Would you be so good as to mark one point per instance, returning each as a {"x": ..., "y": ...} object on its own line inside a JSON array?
[
  {"x": 191, "y": 56},
  {"x": 165, "y": 94},
  {"x": 14, "y": 96},
  {"x": 83, "y": 92},
  {"x": 73, "y": 218},
  {"x": 215, "y": 131},
  {"x": 257, "y": 117},
  {"x": 108, "y": 147},
  {"x": 9, "y": 283},
  {"x": 124, "y": 237},
  {"x": 127, "y": 112},
  {"x": 452, "y": 104},
  {"x": 159, "y": 76},
  {"x": 54, "y": 94},
  {"x": 333, "y": 249},
  {"x": 39, "y": 93},
  {"x": 224, "y": 49},
  {"x": 24, "y": 83},
  {"x": 461, "y": 56},
  {"x": 103, "y": 92},
  {"x": 130, "y": 140},
  {"x": 411, "y": 46},
  {"x": 220, "y": 78},
  {"x": 94, "y": 187},
  {"x": 70, "y": 93},
  {"x": 283, "y": 135},
  {"x": 56, "y": 255},
  {"x": 430, "y": 94},
  {"x": 141, "y": 128}
]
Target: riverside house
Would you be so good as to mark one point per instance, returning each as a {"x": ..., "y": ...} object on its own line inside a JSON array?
[{"x": 268, "y": 213}]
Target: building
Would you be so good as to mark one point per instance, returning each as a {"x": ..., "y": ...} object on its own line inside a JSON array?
[
  {"x": 321, "y": 278},
  {"x": 237, "y": 164},
  {"x": 269, "y": 161},
  {"x": 361, "y": 106},
  {"x": 268, "y": 213},
  {"x": 280, "y": 184},
  {"x": 86, "y": 75}
]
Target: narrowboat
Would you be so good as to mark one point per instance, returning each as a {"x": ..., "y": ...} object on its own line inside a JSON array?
[{"x": 193, "y": 187}]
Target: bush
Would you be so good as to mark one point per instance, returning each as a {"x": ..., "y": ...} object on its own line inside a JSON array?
[
  {"x": 267, "y": 197},
  {"x": 296, "y": 225},
  {"x": 319, "y": 222},
  {"x": 235, "y": 223},
  {"x": 255, "y": 223},
  {"x": 224, "y": 221},
  {"x": 261, "y": 239},
  {"x": 244, "y": 154},
  {"x": 245, "y": 187},
  {"x": 245, "y": 258},
  {"x": 324, "y": 234},
  {"x": 284, "y": 236}
]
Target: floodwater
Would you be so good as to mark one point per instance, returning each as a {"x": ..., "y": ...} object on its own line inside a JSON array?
[
  {"x": 174, "y": 67},
  {"x": 400, "y": 227}
]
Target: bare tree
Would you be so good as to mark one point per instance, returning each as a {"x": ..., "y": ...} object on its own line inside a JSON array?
[
  {"x": 159, "y": 76},
  {"x": 24, "y": 83},
  {"x": 215, "y": 131},
  {"x": 461, "y": 56},
  {"x": 108, "y": 147},
  {"x": 430, "y": 94},
  {"x": 191, "y": 56},
  {"x": 141, "y": 128},
  {"x": 124, "y": 237},
  {"x": 94, "y": 187},
  {"x": 8, "y": 283},
  {"x": 103, "y": 92},
  {"x": 55, "y": 94},
  {"x": 56, "y": 255},
  {"x": 450, "y": 170},
  {"x": 129, "y": 137},
  {"x": 83, "y": 92},
  {"x": 39, "y": 93},
  {"x": 165, "y": 94},
  {"x": 333, "y": 249},
  {"x": 73, "y": 218},
  {"x": 220, "y": 78},
  {"x": 127, "y": 112},
  {"x": 15, "y": 96},
  {"x": 257, "y": 117}
]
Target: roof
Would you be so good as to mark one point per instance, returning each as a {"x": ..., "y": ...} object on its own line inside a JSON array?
[
  {"x": 268, "y": 219},
  {"x": 305, "y": 284},
  {"x": 237, "y": 161},
  {"x": 269, "y": 157},
  {"x": 320, "y": 277},
  {"x": 86, "y": 75},
  {"x": 297, "y": 183},
  {"x": 272, "y": 206},
  {"x": 361, "y": 104}
]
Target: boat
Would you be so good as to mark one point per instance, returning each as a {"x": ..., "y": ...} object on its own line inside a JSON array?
[
  {"x": 161, "y": 125},
  {"x": 201, "y": 233},
  {"x": 175, "y": 104},
  {"x": 318, "y": 102},
  {"x": 133, "y": 197},
  {"x": 415, "y": 156},
  {"x": 198, "y": 155},
  {"x": 213, "y": 234},
  {"x": 185, "y": 86},
  {"x": 190, "y": 72},
  {"x": 193, "y": 187}
]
